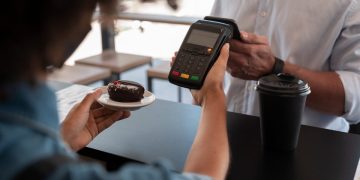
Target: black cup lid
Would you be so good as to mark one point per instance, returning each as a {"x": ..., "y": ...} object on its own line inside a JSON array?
[{"x": 283, "y": 84}]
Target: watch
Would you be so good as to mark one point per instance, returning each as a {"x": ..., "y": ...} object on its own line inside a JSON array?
[{"x": 278, "y": 66}]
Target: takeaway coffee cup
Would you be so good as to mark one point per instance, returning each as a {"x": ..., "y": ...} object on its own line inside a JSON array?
[{"x": 282, "y": 100}]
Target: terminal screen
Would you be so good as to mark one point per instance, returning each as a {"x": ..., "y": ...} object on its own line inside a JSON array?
[{"x": 202, "y": 38}]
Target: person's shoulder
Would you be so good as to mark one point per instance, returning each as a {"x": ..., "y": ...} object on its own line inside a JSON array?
[{"x": 23, "y": 145}]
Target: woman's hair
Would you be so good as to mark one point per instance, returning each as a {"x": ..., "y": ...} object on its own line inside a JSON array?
[{"x": 29, "y": 30}]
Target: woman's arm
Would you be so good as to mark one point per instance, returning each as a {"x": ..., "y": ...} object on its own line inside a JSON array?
[{"x": 209, "y": 153}]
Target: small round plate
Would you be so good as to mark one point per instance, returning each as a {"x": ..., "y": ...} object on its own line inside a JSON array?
[{"x": 129, "y": 106}]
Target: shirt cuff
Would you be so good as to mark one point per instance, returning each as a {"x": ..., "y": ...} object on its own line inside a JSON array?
[
  {"x": 195, "y": 176},
  {"x": 351, "y": 84}
]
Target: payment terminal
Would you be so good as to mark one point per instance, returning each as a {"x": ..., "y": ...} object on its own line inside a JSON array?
[{"x": 200, "y": 49}]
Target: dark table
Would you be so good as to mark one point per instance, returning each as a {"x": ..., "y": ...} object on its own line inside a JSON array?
[{"x": 166, "y": 130}]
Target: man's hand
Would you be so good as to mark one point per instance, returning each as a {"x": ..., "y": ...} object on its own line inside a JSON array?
[
  {"x": 87, "y": 119},
  {"x": 250, "y": 58}
]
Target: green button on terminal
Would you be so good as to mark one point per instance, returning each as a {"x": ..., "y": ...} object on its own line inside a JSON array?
[{"x": 195, "y": 78}]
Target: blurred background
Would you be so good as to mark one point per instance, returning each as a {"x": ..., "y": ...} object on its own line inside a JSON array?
[{"x": 155, "y": 39}]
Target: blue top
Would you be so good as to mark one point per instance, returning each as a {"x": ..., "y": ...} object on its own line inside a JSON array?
[{"x": 29, "y": 133}]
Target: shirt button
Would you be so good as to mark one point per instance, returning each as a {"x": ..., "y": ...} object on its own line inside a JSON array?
[{"x": 263, "y": 14}]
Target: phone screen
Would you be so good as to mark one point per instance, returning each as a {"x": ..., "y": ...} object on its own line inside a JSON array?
[{"x": 202, "y": 38}]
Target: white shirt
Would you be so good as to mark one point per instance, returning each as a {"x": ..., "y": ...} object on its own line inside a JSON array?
[{"x": 321, "y": 35}]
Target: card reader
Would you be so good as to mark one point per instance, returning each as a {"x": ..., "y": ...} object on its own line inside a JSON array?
[{"x": 200, "y": 49}]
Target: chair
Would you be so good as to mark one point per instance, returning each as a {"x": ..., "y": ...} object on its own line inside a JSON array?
[
  {"x": 79, "y": 74},
  {"x": 116, "y": 62},
  {"x": 160, "y": 71}
]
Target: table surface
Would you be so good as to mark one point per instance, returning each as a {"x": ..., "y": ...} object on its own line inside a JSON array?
[
  {"x": 154, "y": 132},
  {"x": 166, "y": 129}
]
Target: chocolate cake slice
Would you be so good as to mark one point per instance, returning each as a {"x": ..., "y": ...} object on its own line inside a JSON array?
[{"x": 125, "y": 91}]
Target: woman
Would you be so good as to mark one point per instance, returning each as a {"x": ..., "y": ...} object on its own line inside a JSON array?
[{"x": 33, "y": 144}]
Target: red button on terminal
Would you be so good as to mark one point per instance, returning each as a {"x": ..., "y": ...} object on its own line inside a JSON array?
[{"x": 175, "y": 73}]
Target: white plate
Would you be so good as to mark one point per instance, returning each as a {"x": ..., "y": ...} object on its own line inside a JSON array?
[{"x": 130, "y": 106}]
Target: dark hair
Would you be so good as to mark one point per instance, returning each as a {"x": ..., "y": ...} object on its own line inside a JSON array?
[{"x": 29, "y": 30}]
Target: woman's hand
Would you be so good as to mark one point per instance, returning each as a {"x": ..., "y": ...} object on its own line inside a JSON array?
[
  {"x": 173, "y": 59},
  {"x": 214, "y": 80},
  {"x": 87, "y": 119}
]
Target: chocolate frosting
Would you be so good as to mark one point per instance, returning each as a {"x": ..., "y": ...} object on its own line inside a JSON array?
[{"x": 125, "y": 91}]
